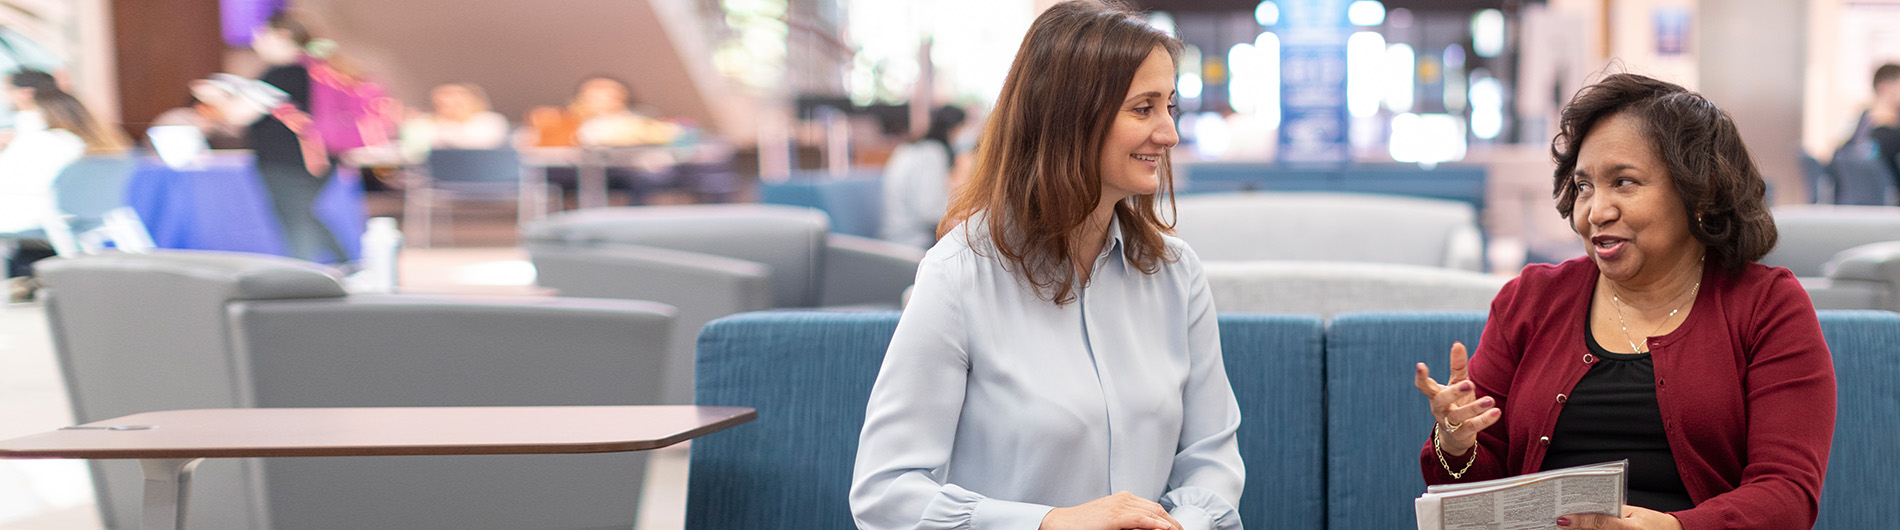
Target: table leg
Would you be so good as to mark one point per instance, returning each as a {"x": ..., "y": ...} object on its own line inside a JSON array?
[
  {"x": 593, "y": 184},
  {"x": 167, "y": 488}
]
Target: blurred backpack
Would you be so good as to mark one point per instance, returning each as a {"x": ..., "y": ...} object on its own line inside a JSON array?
[
  {"x": 1860, "y": 171},
  {"x": 348, "y": 112}
]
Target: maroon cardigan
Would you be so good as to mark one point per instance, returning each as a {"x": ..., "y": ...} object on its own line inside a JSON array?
[{"x": 1746, "y": 387}]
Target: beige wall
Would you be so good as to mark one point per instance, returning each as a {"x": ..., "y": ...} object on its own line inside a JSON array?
[{"x": 1752, "y": 63}]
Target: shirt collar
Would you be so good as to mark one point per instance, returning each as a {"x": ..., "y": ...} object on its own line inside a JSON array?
[{"x": 1113, "y": 249}]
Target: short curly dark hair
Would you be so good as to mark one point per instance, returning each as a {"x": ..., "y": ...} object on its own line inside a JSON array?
[{"x": 1722, "y": 191}]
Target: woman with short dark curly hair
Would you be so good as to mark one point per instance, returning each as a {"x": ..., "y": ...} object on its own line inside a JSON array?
[{"x": 1666, "y": 345}]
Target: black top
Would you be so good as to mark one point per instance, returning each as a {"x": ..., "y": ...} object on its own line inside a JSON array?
[
  {"x": 274, "y": 143},
  {"x": 1612, "y": 415}
]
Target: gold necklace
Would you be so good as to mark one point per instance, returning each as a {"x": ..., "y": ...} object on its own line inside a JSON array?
[{"x": 1615, "y": 297}]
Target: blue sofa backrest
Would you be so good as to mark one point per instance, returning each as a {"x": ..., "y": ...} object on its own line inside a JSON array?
[
  {"x": 1863, "y": 468},
  {"x": 810, "y": 373},
  {"x": 1376, "y": 421}
]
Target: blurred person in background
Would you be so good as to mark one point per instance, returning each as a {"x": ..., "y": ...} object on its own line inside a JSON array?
[
  {"x": 1667, "y": 345},
  {"x": 291, "y": 159},
  {"x": 917, "y": 181},
  {"x": 218, "y": 132},
  {"x": 19, "y": 53},
  {"x": 996, "y": 405},
  {"x": 31, "y": 162},
  {"x": 20, "y": 88},
  {"x": 461, "y": 120},
  {"x": 1882, "y": 119},
  {"x": 601, "y": 114}
]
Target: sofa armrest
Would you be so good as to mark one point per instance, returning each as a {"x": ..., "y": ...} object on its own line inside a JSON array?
[
  {"x": 1878, "y": 262},
  {"x": 1874, "y": 266},
  {"x": 868, "y": 272}
]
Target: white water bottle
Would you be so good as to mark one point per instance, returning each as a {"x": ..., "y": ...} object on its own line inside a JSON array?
[{"x": 382, "y": 245}]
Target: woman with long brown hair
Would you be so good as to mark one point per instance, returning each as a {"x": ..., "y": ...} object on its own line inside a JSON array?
[
  {"x": 1059, "y": 365},
  {"x": 32, "y": 160}
]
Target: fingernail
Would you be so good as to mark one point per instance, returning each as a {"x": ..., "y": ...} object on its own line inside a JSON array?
[
  {"x": 1464, "y": 386},
  {"x": 1563, "y": 521},
  {"x": 1485, "y": 402}
]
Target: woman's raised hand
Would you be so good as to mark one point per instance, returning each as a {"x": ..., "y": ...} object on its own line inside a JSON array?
[
  {"x": 1120, "y": 511},
  {"x": 1460, "y": 415}
]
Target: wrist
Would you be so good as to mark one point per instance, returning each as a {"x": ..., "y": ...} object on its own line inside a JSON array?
[{"x": 1049, "y": 519}]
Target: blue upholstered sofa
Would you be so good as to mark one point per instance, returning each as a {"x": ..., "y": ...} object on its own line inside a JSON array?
[{"x": 1331, "y": 432}]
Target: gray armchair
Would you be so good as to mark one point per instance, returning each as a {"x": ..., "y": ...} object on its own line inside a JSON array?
[
  {"x": 1847, "y": 257},
  {"x": 178, "y": 330},
  {"x": 1337, "y": 227},
  {"x": 716, "y": 260}
]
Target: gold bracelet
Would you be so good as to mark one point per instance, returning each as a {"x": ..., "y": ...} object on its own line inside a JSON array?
[{"x": 1440, "y": 451}]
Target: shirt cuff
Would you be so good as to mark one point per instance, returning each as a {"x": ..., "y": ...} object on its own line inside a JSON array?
[
  {"x": 1192, "y": 518},
  {"x": 1199, "y": 508},
  {"x": 1001, "y": 514}
]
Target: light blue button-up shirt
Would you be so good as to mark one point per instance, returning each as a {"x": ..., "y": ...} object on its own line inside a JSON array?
[{"x": 994, "y": 406}]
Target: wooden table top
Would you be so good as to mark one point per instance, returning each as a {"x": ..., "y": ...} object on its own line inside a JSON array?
[{"x": 245, "y": 433}]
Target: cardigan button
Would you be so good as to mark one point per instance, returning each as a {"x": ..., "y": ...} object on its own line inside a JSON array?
[
  {"x": 1561, "y": 399},
  {"x": 1660, "y": 383},
  {"x": 1545, "y": 441},
  {"x": 1587, "y": 358}
]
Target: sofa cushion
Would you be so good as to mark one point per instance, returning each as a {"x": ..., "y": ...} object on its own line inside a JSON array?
[{"x": 1328, "y": 288}]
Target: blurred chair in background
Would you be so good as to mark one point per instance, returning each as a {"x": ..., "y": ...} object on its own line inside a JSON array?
[
  {"x": 1846, "y": 256},
  {"x": 1328, "y": 288},
  {"x": 715, "y": 260},
  {"x": 492, "y": 175},
  {"x": 1340, "y": 227}
]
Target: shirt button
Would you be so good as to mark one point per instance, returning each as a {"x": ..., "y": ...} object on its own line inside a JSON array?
[
  {"x": 1561, "y": 399},
  {"x": 1545, "y": 441}
]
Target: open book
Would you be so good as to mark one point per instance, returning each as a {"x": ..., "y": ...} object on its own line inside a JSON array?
[{"x": 1525, "y": 501}]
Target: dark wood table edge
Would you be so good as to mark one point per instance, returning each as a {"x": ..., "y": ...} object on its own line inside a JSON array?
[{"x": 411, "y": 450}]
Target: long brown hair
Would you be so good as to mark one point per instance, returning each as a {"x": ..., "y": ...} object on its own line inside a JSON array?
[
  {"x": 63, "y": 111},
  {"x": 1037, "y": 175}
]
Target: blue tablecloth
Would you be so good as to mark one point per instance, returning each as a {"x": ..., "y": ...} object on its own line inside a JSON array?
[{"x": 223, "y": 206}]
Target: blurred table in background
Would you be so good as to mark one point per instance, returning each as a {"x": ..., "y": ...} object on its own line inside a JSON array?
[
  {"x": 223, "y": 206},
  {"x": 703, "y": 169}
]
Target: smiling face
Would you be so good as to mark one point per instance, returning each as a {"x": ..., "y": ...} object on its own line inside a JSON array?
[
  {"x": 1627, "y": 210},
  {"x": 1143, "y": 131}
]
